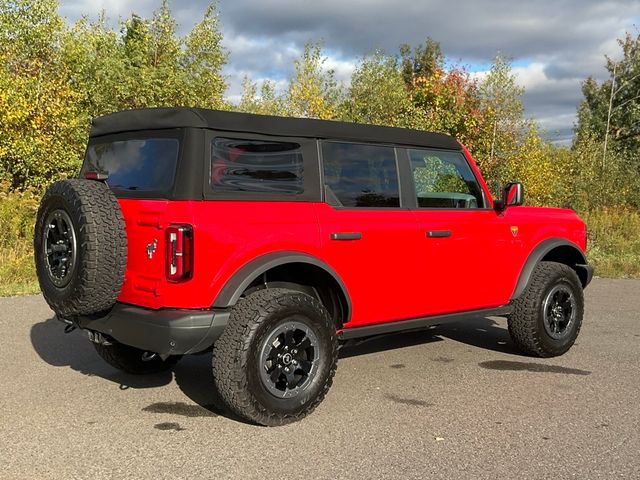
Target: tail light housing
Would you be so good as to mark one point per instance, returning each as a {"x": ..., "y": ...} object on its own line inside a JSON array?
[{"x": 179, "y": 254}]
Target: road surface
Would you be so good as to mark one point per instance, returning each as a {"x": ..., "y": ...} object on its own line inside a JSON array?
[{"x": 455, "y": 401}]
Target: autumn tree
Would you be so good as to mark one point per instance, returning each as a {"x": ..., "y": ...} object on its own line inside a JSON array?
[
  {"x": 444, "y": 98},
  {"x": 38, "y": 111},
  {"x": 55, "y": 78},
  {"x": 423, "y": 61}
]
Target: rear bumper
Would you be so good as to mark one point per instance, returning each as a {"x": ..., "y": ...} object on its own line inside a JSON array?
[{"x": 166, "y": 332}]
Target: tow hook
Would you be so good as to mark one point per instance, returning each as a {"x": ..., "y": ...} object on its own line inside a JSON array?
[
  {"x": 148, "y": 356},
  {"x": 97, "y": 337},
  {"x": 69, "y": 325}
]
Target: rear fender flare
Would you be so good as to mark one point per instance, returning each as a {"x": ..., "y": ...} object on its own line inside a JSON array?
[{"x": 243, "y": 277}]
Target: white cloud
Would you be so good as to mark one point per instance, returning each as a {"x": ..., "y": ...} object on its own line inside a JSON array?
[{"x": 563, "y": 42}]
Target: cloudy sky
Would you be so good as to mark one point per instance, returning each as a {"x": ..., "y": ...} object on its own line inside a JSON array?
[{"x": 554, "y": 44}]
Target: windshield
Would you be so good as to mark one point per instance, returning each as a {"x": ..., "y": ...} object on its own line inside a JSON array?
[{"x": 143, "y": 165}]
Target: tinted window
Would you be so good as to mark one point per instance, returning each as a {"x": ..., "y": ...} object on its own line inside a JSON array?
[
  {"x": 360, "y": 175},
  {"x": 444, "y": 180},
  {"x": 138, "y": 164},
  {"x": 256, "y": 166}
]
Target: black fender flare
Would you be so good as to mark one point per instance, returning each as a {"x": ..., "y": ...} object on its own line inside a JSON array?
[
  {"x": 537, "y": 254},
  {"x": 242, "y": 278}
]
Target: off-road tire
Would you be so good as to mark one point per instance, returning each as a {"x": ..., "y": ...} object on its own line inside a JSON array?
[
  {"x": 236, "y": 356},
  {"x": 525, "y": 323},
  {"x": 129, "y": 359},
  {"x": 97, "y": 276}
]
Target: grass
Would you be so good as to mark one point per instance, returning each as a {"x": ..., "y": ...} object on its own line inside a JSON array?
[
  {"x": 614, "y": 243},
  {"x": 17, "y": 273},
  {"x": 17, "y": 217}
]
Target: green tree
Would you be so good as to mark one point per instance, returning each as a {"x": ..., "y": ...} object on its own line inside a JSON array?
[
  {"x": 313, "y": 91},
  {"x": 264, "y": 100},
  {"x": 29, "y": 33},
  {"x": 378, "y": 94},
  {"x": 610, "y": 110},
  {"x": 503, "y": 120},
  {"x": 203, "y": 60},
  {"x": 423, "y": 61}
]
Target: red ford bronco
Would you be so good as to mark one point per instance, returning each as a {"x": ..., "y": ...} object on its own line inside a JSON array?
[{"x": 269, "y": 240}]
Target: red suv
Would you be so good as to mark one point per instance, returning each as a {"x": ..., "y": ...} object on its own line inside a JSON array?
[{"x": 269, "y": 240}]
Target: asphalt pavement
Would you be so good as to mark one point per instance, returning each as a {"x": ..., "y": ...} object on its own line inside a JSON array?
[{"x": 451, "y": 402}]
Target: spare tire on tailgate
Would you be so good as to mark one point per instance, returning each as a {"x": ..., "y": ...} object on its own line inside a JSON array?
[{"x": 80, "y": 247}]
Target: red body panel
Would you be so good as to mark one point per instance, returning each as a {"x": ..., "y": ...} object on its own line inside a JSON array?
[
  {"x": 394, "y": 272},
  {"x": 379, "y": 270},
  {"x": 227, "y": 235}
]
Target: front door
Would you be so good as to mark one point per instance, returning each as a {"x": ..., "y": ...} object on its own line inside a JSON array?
[{"x": 465, "y": 246}]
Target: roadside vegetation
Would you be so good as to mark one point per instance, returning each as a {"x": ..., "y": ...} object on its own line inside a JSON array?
[{"x": 55, "y": 77}]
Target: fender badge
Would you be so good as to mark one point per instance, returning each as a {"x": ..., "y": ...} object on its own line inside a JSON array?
[
  {"x": 514, "y": 231},
  {"x": 151, "y": 248}
]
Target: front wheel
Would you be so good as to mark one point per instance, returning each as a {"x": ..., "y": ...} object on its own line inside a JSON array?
[
  {"x": 547, "y": 317},
  {"x": 276, "y": 359}
]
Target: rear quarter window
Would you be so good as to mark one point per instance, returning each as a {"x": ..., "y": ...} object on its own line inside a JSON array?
[
  {"x": 138, "y": 165},
  {"x": 256, "y": 166}
]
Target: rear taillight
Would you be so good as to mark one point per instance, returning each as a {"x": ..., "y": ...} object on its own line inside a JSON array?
[{"x": 179, "y": 252}]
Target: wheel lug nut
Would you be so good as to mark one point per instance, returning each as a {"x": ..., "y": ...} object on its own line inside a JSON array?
[
  {"x": 294, "y": 351},
  {"x": 286, "y": 369}
]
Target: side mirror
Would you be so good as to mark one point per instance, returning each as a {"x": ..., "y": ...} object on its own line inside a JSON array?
[{"x": 512, "y": 195}]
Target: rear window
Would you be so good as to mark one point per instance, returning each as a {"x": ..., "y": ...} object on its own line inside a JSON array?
[
  {"x": 141, "y": 165},
  {"x": 259, "y": 166}
]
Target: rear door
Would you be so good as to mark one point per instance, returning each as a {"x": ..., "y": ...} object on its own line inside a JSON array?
[
  {"x": 465, "y": 246},
  {"x": 366, "y": 236}
]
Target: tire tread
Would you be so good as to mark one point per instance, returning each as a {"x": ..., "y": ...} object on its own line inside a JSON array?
[
  {"x": 231, "y": 353},
  {"x": 523, "y": 321},
  {"x": 102, "y": 248}
]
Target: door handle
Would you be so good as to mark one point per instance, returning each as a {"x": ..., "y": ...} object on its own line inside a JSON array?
[
  {"x": 346, "y": 236},
  {"x": 438, "y": 233}
]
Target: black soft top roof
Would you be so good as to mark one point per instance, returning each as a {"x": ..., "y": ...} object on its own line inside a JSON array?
[{"x": 182, "y": 117}]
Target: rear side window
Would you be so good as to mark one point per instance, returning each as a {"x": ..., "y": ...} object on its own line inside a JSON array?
[
  {"x": 240, "y": 165},
  {"x": 144, "y": 165},
  {"x": 358, "y": 175},
  {"x": 444, "y": 180}
]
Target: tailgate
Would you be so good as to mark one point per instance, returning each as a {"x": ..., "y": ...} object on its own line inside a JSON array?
[{"x": 145, "y": 275}]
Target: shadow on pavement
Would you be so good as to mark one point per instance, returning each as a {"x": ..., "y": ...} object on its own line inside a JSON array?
[
  {"x": 389, "y": 341},
  {"x": 74, "y": 350},
  {"x": 193, "y": 373},
  {"x": 479, "y": 332}
]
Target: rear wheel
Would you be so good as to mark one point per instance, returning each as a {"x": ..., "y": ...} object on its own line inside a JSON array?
[
  {"x": 133, "y": 360},
  {"x": 547, "y": 317},
  {"x": 276, "y": 359}
]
